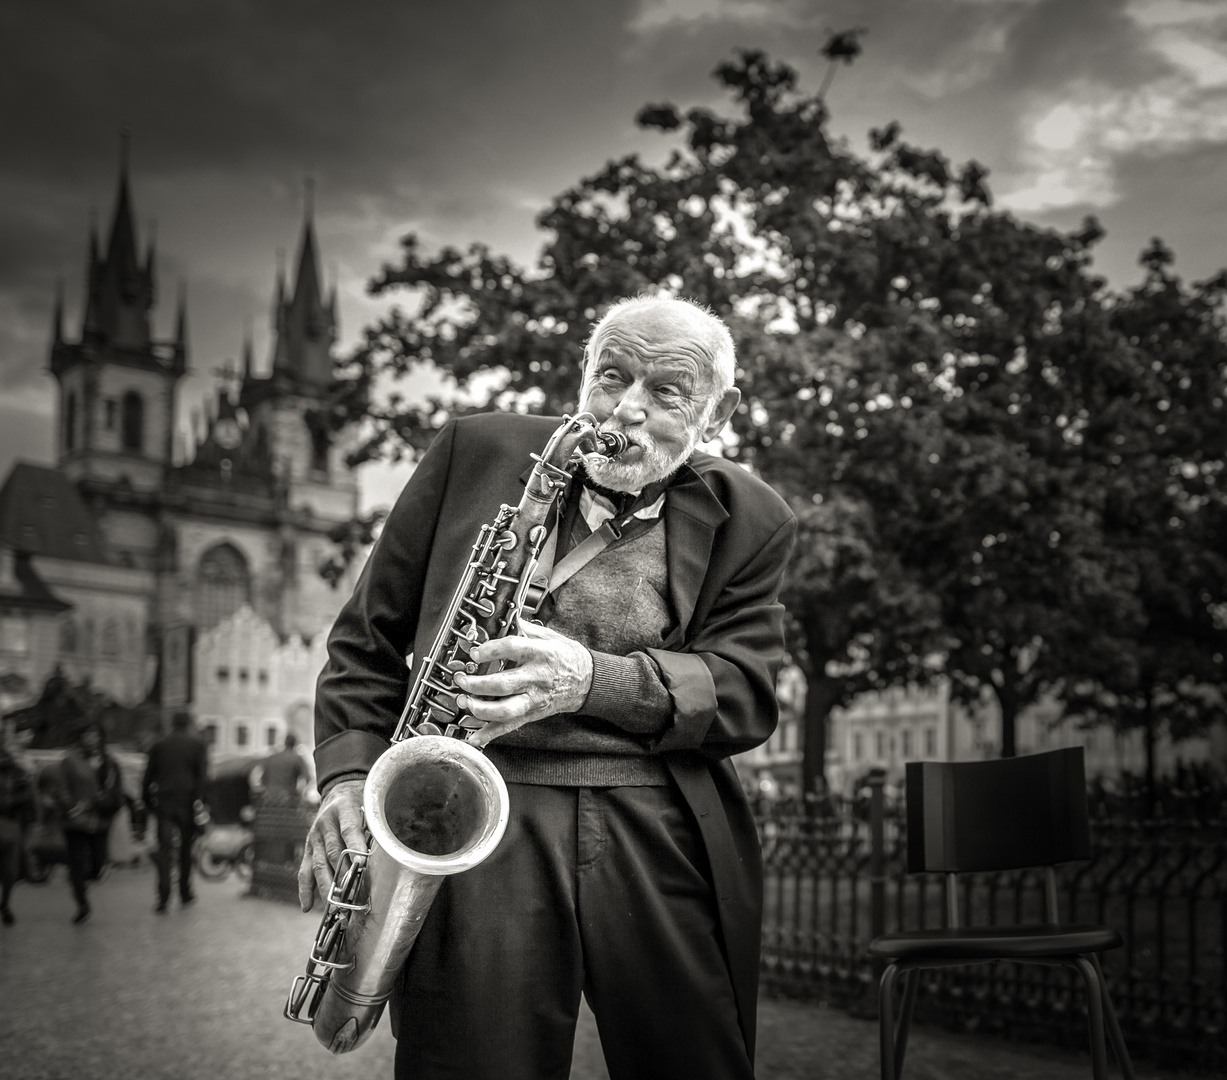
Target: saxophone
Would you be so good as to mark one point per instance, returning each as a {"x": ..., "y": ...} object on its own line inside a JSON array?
[{"x": 433, "y": 804}]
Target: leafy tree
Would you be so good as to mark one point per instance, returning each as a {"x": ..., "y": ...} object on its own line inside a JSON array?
[
  {"x": 915, "y": 369},
  {"x": 1160, "y": 467}
]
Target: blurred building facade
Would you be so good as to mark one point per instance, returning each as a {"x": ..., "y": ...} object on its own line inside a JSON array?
[
  {"x": 885, "y": 729},
  {"x": 252, "y": 687},
  {"x": 139, "y": 544}
]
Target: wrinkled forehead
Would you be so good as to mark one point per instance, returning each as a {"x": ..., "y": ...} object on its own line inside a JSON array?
[{"x": 667, "y": 337}]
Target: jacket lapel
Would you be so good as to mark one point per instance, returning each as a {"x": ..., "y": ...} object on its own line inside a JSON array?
[{"x": 692, "y": 516}]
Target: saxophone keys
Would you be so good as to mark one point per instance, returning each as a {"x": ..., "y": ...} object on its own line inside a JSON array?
[
  {"x": 428, "y": 727},
  {"x": 470, "y": 723}
]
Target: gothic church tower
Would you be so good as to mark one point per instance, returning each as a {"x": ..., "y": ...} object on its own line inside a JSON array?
[
  {"x": 242, "y": 515},
  {"x": 117, "y": 383}
]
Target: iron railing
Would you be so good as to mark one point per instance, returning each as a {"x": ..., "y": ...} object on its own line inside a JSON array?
[{"x": 835, "y": 875}]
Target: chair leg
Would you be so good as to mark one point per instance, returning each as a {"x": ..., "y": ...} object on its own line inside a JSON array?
[
  {"x": 1094, "y": 1010},
  {"x": 911, "y": 981},
  {"x": 886, "y": 1022},
  {"x": 1119, "y": 1050}
]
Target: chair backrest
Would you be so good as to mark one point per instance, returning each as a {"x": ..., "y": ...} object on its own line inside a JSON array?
[{"x": 967, "y": 816}]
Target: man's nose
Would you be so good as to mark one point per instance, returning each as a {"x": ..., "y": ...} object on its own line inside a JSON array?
[{"x": 632, "y": 407}]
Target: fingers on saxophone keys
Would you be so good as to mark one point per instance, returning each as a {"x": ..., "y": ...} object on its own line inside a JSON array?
[
  {"x": 495, "y": 685},
  {"x": 498, "y": 710}
]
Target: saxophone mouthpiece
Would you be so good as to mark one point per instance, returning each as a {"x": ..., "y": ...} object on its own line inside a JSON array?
[{"x": 613, "y": 443}]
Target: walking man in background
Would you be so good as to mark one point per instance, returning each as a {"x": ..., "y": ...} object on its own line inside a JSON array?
[
  {"x": 87, "y": 789},
  {"x": 174, "y": 785}
]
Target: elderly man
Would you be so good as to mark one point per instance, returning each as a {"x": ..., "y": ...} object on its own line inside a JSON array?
[{"x": 630, "y": 870}]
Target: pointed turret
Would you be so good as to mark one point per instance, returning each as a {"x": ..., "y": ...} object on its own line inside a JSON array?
[
  {"x": 305, "y": 327},
  {"x": 93, "y": 277},
  {"x": 150, "y": 254},
  {"x": 180, "y": 342},
  {"x": 121, "y": 290},
  {"x": 94, "y": 258},
  {"x": 57, "y": 318}
]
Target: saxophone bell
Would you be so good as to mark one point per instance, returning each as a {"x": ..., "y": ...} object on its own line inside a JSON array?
[{"x": 433, "y": 806}]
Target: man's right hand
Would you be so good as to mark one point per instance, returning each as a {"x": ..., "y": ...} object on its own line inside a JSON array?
[{"x": 337, "y": 826}]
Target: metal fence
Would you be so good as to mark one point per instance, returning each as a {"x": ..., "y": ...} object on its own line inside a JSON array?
[
  {"x": 280, "y": 832},
  {"x": 836, "y": 876}
]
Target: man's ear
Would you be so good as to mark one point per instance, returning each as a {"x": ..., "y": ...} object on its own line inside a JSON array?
[{"x": 723, "y": 411}]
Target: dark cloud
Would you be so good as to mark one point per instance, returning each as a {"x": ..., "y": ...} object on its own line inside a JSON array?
[
  {"x": 1057, "y": 42},
  {"x": 460, "y": 120}
]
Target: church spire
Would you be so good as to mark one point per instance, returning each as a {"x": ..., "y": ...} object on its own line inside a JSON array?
[
  {"x": 121, "y": 290},
  {"x": 150, "y": 250},
  {"x": 305, "y": 327},
  {"x": 180, "y": 342},
  {"x": 247, "y": 356},
  {"x": 57, "y": 318}
]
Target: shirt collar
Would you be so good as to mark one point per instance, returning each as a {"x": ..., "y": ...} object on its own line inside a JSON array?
[{"x": 597, "y": 509}]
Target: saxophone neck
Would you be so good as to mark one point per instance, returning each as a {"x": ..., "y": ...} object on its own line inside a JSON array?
[{"x": 576, "y": 438}]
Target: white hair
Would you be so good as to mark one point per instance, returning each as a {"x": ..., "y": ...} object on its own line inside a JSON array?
[{"x": 714, "y": 337}]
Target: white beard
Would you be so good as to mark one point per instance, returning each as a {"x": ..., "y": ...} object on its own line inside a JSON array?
[{"x": 655, "y": 465}]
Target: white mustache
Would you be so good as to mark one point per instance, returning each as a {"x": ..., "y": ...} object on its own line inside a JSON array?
[{"x": 639, "y": 439}]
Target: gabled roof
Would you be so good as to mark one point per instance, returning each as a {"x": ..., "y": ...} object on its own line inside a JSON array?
[
  {"x": 22, "y": 588},
  {"x": 42, "y": 513}
]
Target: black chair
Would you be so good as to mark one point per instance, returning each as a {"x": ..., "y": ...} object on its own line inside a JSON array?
[{"x": 980, "y": 816}]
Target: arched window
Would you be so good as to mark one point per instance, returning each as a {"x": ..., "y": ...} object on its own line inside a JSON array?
[
  {"x": 110, "y": 639},
  {"x": 223, "y": 585},
  {"x": 319, "y": 450},
  {"x": 68, "y": 637},
  {"x": 70, "y": 421},
  {"x": 132, "y": 423}
]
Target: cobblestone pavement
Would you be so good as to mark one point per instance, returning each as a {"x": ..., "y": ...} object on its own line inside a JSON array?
[{"x": 197, "y": 995}]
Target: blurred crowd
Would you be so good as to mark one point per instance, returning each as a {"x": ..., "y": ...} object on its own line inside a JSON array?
[{"x": 89, "y": 808}]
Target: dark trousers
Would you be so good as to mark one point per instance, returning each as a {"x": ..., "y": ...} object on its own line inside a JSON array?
[
  {"x": 10, "y": 857},
  {"x": 86, "y": 853},
  {"x": 179, "y": 823},
  {"x": 599, "y": 891}
]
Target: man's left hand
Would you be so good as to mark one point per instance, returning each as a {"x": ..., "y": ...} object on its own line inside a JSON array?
[{"x": 552, "y": 675}]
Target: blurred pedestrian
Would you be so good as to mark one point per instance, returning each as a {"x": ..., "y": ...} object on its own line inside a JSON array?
[
  {"x": 285, "y": 773},
  {"x": 173, "y": 789},
  {"x": 17, "y": 810},
  {"x": 87, "y": 790}
]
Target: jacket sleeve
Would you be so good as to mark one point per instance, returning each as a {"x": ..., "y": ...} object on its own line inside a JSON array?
[
  {"x": 722, "y": 682},
  {"x": 716, "y": 693},
  {"x": 362, "y": 688}
]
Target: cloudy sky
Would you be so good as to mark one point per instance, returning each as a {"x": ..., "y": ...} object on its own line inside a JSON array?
[{"x": 460, "y": 120}]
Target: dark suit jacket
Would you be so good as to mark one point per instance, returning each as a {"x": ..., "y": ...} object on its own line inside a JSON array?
[
  {"x": 175, "y": 773},
  {"x": 727, "y": 537}
]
